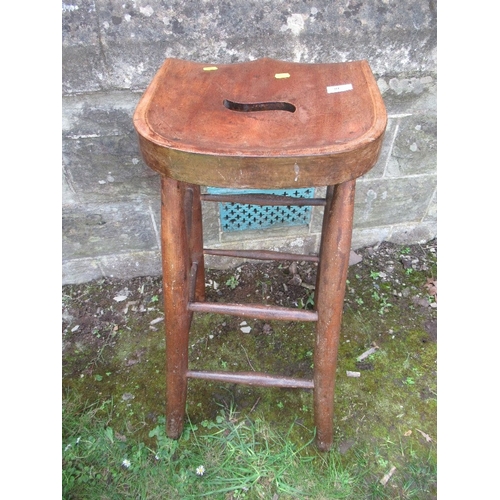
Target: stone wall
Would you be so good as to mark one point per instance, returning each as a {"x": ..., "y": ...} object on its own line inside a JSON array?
[{"x": 111, "y": 50}]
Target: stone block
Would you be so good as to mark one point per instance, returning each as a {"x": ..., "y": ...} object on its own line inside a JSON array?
[
  {"x": 83, "y": 65},
  {"x": 94, "y": 230},
  {"x": 99, "y": 114},
  {"x": 81, "y": 270},
  {"x": 108, "y": 168},
  {"x": 80, "y": 23},
  {"x": 413, "y": 95},
  {"x": 133, "y": 63},
  {"x": 120, "y": 266},
  {"x": 130, "y": 265},
  {"x": 211, "y": 223},
  {"x": 392, "y": 201},
  {"x": 271, "y": 234},
  {"x": 409, "y": 234},
  {"x": 300, "y": 243},
  {"x": 369, "y": 236},
  {"x": 414, "y": 150},
  {"x": 83, "y": 69}
]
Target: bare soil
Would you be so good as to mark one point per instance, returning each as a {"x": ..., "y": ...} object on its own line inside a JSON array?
[{"x": 93, "y": 312}]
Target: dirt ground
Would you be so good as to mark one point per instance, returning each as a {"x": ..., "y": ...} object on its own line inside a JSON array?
[
  {"x": 94, "y": 312},
  {"x": 116, "y": 326},
  {"x": 386, "y": 386}
]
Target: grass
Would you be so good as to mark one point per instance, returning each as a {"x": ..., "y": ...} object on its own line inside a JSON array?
[
  {"x": 256, "y": 443},
  {"x": 241, "y": 458},
  {"x": 229, "y": 457}
]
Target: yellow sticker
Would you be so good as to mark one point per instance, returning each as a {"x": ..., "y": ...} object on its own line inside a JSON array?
[
  {"x": 282, "y": 75},
  {"x": 210, "y": 68}
]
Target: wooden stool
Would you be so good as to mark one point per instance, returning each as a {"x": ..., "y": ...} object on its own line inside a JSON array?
[{"x": 264, "y": 124}]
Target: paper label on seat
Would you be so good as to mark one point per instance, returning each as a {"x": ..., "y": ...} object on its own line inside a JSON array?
[{"x": 333, "y": 89}]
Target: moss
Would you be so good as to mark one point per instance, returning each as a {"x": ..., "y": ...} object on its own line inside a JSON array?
[{"x": 380, "y": 417}]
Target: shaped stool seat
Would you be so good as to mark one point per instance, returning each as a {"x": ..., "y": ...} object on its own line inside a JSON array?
[{"x": 265, "y": 124}]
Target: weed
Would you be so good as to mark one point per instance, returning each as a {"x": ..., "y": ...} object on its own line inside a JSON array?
[
  {"x": 383, "y": 301},
  {"x": 233, "y": 282},
  {"x": 308, "y": 303}
]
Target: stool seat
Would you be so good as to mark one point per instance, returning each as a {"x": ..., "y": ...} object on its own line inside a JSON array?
[{"x": 261, "y": 124}]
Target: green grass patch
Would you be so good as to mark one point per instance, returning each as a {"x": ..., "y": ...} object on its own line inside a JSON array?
[{"x": 228, "y": 457}]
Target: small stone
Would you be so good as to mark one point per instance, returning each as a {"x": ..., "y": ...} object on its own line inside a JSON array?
[
  {"x": 354, "y": 258},
  {"x": 122, "y": 295},
  {"x": 420, "y": 301},
  {"x": 406, "y": 261}
]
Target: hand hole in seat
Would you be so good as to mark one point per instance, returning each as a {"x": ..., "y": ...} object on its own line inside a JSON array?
[{"x": 259, "y": 106}]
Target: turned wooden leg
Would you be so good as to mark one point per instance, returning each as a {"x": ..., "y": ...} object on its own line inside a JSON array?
[
  {"x": 195, "y": 235},
  {"x": 176, "y": 270},
  {"x": 330, "y": 289}
]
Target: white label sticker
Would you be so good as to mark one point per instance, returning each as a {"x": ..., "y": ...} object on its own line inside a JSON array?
[{"x": 333, "y": 89}]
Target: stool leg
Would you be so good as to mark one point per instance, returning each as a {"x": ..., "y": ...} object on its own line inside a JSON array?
[
  {"x": 176, "y": 267},
  {"x": 195, "y": 233},
  {"x": 330, "y": 290}
]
